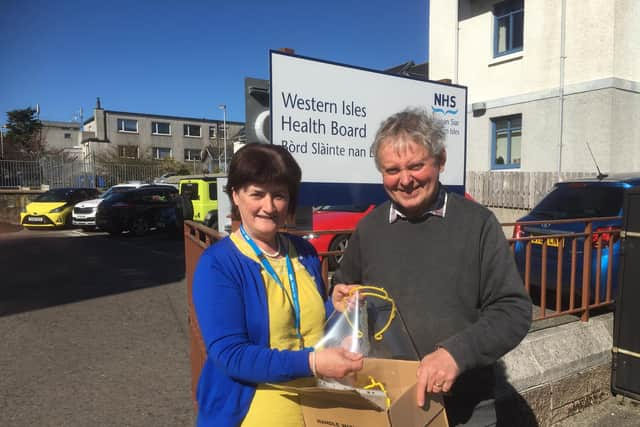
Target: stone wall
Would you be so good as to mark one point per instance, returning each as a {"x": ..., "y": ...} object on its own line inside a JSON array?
[
  {"x": 12, "y": 202},
  {"x": 557, "y": 372}
]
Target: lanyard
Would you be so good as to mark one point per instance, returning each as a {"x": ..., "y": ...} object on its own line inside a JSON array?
[{"x": 293, "y": 284}]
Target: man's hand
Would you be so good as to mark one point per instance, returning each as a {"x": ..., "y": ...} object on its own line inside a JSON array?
[
  {"x": 436, "y": 374},
  {"x": 340, "y": 296}
]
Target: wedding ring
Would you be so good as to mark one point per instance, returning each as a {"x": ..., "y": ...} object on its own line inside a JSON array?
[{"x": 439, "y": 384}]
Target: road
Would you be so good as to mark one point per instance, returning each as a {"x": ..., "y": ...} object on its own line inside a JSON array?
[{"x": 94, "y": 330}]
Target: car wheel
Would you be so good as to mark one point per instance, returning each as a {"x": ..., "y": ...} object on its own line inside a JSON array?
[
  {"x": 213, "y": 223},
  {"x": 340, "y": 243},
  {"x": 140, "y": 226}
]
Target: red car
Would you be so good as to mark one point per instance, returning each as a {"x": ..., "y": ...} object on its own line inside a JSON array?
[
  {"x": 338, "y": 217},
  {"x": 335, "y": 217}
]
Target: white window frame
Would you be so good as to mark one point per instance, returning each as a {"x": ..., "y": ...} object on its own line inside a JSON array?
[
  {"x": 213, "y": 132},
  {"x": 155, "y": 153},
  {"x": 187, "y": 130},
  {"x": 123, "y": 128},
  {"x": 154, "y": 128},
  {"x": 122, "y": 151},
  {"x": 187, "y": 155}
]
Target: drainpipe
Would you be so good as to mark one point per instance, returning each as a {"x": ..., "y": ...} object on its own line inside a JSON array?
[
  {"x": 457, "y": 42},
  {"x": 563, "y": 22}
]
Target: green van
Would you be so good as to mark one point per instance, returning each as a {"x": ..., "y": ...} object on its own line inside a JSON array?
[{"x": 203, "y": 193}]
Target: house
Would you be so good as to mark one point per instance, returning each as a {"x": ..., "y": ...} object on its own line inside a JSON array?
[
  {"x": 128, "y": 135},
  {"x": 61, "y": 137},
  {"x": 548, "y": 82}
]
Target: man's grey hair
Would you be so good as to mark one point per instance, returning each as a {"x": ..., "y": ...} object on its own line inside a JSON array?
[{"x": 416, "y": 125}]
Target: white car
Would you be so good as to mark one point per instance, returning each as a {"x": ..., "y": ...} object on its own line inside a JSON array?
[{"x": 84, "y": 213}]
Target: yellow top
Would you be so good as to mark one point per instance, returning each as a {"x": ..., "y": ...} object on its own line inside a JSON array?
[{"x": 271, "y": 406}]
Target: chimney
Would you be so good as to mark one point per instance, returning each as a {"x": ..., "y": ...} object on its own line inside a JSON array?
[{"x": 101, "y": 121}]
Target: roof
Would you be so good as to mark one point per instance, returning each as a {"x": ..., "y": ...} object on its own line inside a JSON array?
[
  {"x": 63, "y": 125},
  {"x": 411, "y": 69},
  {"x": 160, "y": 116},
  {"x": 628, "y": 177}
]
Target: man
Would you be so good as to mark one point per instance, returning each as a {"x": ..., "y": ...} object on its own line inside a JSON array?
[{"x": 446, "y": 262}]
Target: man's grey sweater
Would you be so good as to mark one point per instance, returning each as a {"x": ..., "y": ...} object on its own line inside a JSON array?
[{"x": 454, "y": 281}]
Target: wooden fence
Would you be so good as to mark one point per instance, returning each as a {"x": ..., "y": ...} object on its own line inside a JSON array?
[{"x": 514, "y": 190}]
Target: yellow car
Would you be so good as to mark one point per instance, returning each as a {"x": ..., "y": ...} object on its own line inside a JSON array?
[{"x": 53, "y": 208}]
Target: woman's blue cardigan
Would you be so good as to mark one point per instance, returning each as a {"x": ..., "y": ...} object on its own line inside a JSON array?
[{"x": 231, "y": 306}]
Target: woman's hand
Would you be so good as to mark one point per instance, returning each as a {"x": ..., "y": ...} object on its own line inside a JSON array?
[
  {"x": 336, "y": 362},
  {"x": 340, "y": 296}
]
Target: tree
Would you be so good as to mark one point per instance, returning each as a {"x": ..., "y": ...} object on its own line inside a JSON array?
[{"x": 24, "y": 136}]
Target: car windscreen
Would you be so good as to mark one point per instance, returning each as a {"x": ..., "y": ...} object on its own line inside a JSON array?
[
  {"x": 114, "y": 190},
  {"x": 117, "y": 196},
  {"x": 580, "y": 201},
  {"x": 58, "y": 195}
]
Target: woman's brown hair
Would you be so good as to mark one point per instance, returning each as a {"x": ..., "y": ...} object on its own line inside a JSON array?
[{"x": 260, "y": 164}]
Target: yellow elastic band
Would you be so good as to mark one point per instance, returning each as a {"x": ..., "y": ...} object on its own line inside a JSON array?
[
  {"x": 377, "y": 384},
  {"x": 380, "y": 293}
]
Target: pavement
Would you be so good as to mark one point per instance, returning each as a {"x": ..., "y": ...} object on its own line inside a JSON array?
[
  {"x": 615, "y": 411},
  {"x": 9, "y": 228}
]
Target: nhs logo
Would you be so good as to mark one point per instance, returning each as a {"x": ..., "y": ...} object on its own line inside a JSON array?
[{"x": 443, "y": 103}]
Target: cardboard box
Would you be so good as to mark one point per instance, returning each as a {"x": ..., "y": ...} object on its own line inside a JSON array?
[{"x": 354, "y": 407}]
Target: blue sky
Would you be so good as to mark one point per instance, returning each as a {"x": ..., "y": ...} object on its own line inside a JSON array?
[{"x": 184, "y": 58}]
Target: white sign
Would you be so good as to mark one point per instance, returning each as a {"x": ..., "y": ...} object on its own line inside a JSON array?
[{"x": 327, "y": 116}]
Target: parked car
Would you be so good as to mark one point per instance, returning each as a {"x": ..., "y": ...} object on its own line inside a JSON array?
[
  {"x": 338, "y": 217},
  {"x": 140, "y": 210},
  {"x": 84, "y": 213},
  {"x": 53, "y": 208},
  {"x": 335, "y": 217},
  {"x": 582, "y": 198},
  {"x": 203, "y": 194}
]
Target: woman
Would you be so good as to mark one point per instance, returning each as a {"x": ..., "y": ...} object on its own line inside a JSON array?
[{"x": 260, "y": 302}]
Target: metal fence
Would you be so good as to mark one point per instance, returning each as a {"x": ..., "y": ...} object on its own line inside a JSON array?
[
  {"x": 516, "y": 190},
  {"x": 77, "y": 173}
]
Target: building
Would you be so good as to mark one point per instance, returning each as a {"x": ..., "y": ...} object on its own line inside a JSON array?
[
  {"x": 124, "y": 135},
  {"x": 61, "y": 137},
  {"x": 547, "y": 79}
]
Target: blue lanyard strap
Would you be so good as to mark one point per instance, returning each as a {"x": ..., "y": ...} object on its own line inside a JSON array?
[{"x": 293, "y": 284}]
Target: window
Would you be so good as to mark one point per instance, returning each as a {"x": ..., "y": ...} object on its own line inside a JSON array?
[
  {"x": 128, "y": 151},
  {"x": 67, "y": 136},
  {"x": 213, "y": 191},
  {"x": 507, "y": 142},
  {"x": 212, "y": 132},
  {"x": 192, "y": 130},
  {"x": 127, "y": 125},
  {"x": 160, "y": 128},
  {"x": 190, "y": 190},
  {"x": 161, "y": 153},
  {"x": 191, "y": 155},
  {"x": 508, "y": 19}
]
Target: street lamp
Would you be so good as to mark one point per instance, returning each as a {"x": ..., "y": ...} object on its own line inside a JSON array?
[
  {"x": 223, "y": 107},
  {"x": 2, "y": 141}
]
